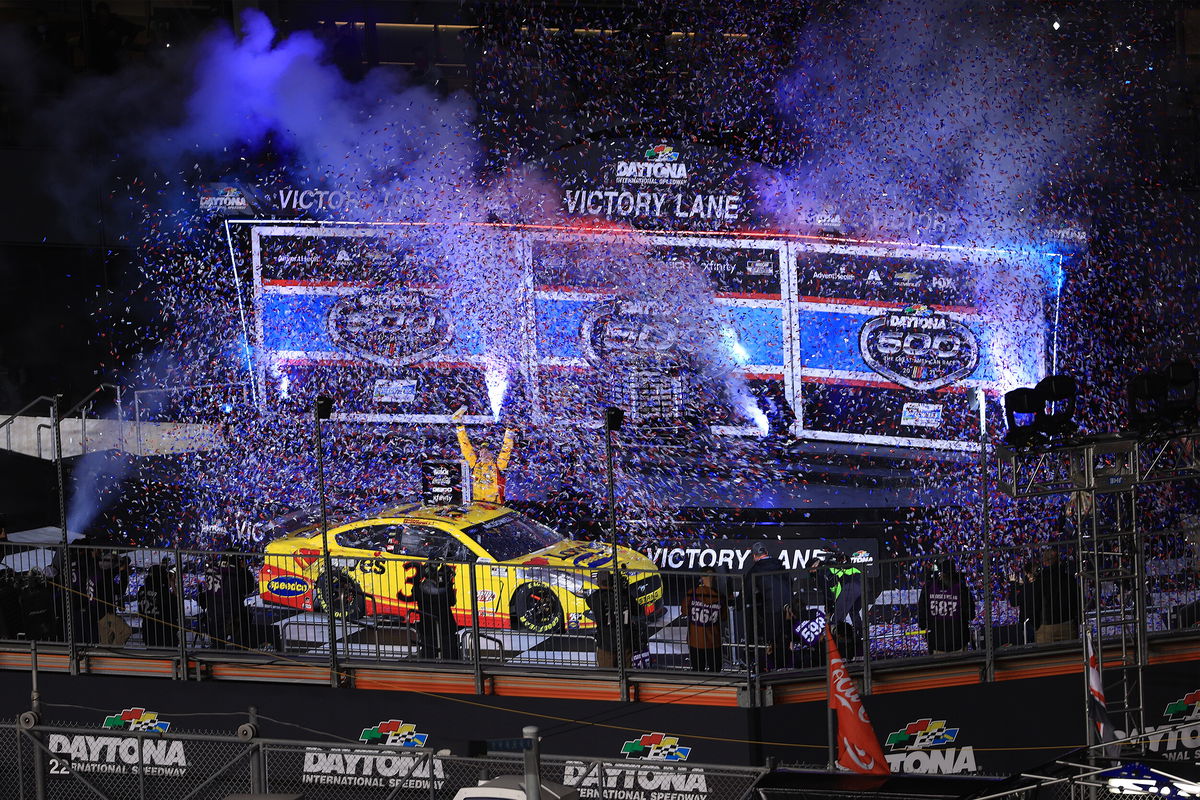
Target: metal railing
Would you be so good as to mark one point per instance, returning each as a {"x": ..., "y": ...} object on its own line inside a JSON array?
[
  {"x": 83, "y": 407},
  {"x": 391, "y": 608},
  {"x": 196, "y": 403}
]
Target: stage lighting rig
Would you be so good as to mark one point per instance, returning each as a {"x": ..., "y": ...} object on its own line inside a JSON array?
[
  {"x": 1160, "y": 400},
  {"x": 1056, "y": 417},
  {"x": 1021, "y": 407},
  {"x": 1180, "y": 405},
  {"x": 1145, "y": 393}
]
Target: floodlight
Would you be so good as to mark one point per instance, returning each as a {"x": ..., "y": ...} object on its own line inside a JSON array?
[
  {"x": 1146, "y": 394},
  {"x": 1055, "y": 417},
  {"x": 1021, "y": 407},
  {"x": 1179, "y": 407}
]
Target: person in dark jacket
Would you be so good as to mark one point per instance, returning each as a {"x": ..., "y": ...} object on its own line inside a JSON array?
[
  {"x": 771, "y": 596},
  {"x": 435, "y": 601},
  {"x": 945, "y": 609},
  {"x": 227, "y": 584},
  {"x": 603, "y": 604},
  {"x": 1057, "y": 600},
  {"x": 159, "y": 609},
  {"x": 107, "y": 584},
  {"x": 37, "y": 608},
  {"x": 1021, "y": 596}
]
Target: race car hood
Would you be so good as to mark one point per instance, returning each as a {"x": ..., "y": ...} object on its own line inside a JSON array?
[{"x": 586, "y": 555}]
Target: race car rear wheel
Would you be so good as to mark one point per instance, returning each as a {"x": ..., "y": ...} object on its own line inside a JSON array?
[
  {"x": 535, "y": 608},
  {"x": 343, "y": 598}
]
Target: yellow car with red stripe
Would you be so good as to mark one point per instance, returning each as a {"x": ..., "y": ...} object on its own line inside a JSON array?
[{"x": 515, "y": 571}]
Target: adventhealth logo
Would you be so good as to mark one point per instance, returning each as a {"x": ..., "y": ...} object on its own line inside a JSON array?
[
  {"x": 394, "y": 732},
  {"x": 656, "y": 747}
]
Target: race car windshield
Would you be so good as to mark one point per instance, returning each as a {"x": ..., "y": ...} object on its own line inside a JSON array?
[{"x": 512, "y": 536}]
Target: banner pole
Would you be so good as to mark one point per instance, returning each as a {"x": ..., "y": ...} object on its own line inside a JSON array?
[
  {"x": 989, "y": 650},
  {"x": 831, "y": 735}
]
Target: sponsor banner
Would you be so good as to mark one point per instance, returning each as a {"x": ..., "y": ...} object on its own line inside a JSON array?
[
  {"x": 656, "y": 769},
  {"x": 963, "y": 730},
  {"x": 445, "y": 483},
  {"x": 734, "y": 555},
  {"x": 883, "y": 279},
  {"x": 925, "y": 415},
  {"x": 408, "y": 768},
  {"x": 663, "y": 361},
  {"x": 1172, "y": 712},
  {"x": 225, "y": 200},
  {"x": 898, "y": 340},
  {"x": 929, "y": 747},
  {"x": 358, "y": 313},
  {"x": 654, "y": 184}
]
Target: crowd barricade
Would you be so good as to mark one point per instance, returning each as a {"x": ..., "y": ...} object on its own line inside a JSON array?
[{"x": 391, "y": 609}]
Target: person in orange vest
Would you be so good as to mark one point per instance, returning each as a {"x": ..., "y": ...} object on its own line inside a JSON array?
[{"x": 487, "y": 471}]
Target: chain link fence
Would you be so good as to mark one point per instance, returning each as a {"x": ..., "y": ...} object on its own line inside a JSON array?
[{"x": 113, "y": 763}]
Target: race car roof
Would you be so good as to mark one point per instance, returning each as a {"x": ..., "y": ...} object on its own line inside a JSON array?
[{"x": 461, "y": 515}]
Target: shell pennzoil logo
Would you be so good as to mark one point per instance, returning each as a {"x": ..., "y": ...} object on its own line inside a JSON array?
[{"x": 288, "y": 586}]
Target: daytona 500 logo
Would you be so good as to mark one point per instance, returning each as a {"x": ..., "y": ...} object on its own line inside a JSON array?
[
  {"x": 389, "y": 326},
  {"x": 919, "y": 348},
  {"x": 621, "y": 334}
]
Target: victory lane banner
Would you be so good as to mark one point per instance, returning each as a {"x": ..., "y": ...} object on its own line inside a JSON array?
[{"x": 735, "y": 556}]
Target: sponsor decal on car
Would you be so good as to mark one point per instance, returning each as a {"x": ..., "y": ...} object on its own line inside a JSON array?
[
  {"x": 288, "y": 586},
  {"x": 919, "y": 747},
  {"x": 120, "y": 755}
]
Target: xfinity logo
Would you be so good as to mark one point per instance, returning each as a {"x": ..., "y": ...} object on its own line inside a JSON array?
[
  {"x": 392, "y": 327},
  {"x": 919, "y": 348}
]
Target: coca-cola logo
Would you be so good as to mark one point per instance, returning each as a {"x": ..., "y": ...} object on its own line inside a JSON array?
[
  {"x": 390, "y": 326},
  {"x": 919, "y": 348},
  {"x": 624, "y": 335}
]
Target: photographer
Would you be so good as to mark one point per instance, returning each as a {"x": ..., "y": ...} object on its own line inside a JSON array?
[{"x": 435, "y": 593}]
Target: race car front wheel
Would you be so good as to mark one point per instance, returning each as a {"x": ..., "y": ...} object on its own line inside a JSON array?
[
  {"x": 535, "y": 608},
  {"x": 341, "y": 596}
]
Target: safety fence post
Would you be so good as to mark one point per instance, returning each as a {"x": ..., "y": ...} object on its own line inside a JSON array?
[
  {"x": 866, "y": 630},
  {"x": 180, "y": 613},
  {"x": 35, "y": 707},
  {"x": 257, "y": 757},
  {"x": 750, "y": 627},
  {"x": 475, "y": 657}
]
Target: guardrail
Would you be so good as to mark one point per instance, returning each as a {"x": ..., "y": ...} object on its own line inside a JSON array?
[{"x": 392, "y": 608}]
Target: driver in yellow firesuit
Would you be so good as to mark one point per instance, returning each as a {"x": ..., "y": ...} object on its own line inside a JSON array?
[{"x": 487, "y": 471}]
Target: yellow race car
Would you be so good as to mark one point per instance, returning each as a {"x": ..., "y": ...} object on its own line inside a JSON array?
[{"x": 522, "y": 574}]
